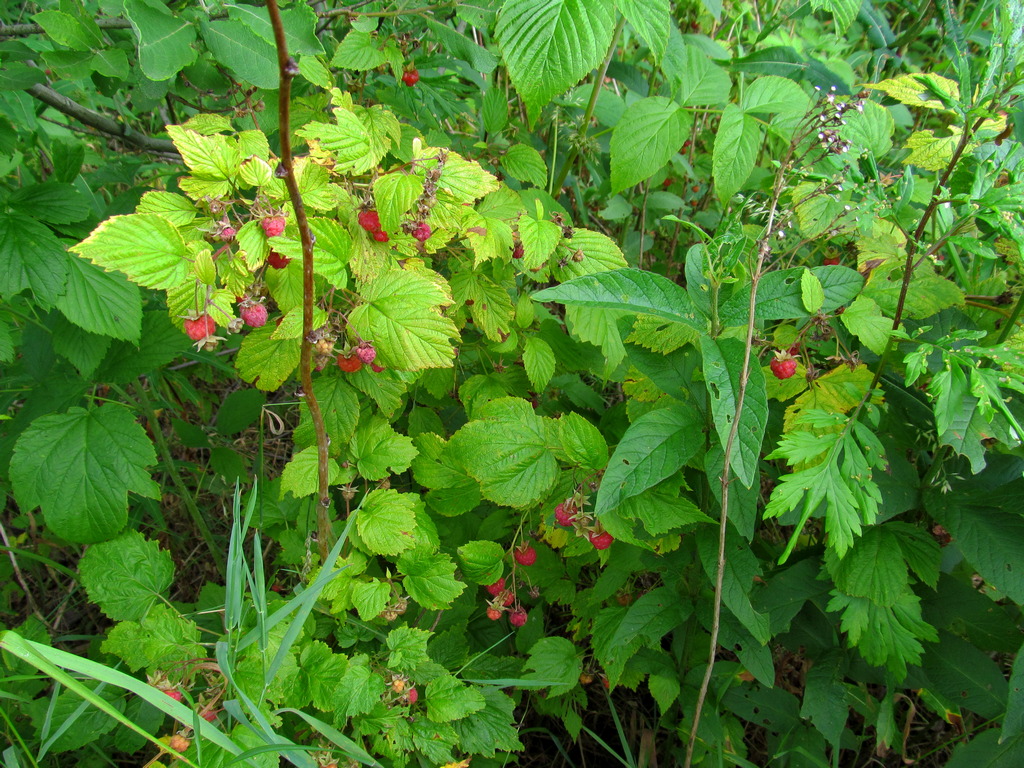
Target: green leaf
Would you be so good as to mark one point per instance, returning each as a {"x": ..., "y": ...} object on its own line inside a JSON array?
[
  {"x": 126, "y": 575},
  {"x": 556, "y": 663},
  {"x": 988, "y": 750},
  {"x": 811, "y": 293},
  {"x": 160, "y": 639},
  {"x": 873, "y": 568},
  {"x": 742, "y": 569},
  {"x": 370, "y": 598},
  {"x": 507, "y": 451},
  {"x": 652, "y": 20},
  {"x": 919, "y": 90},
  {"x": 524, "y": 163},
  {"x": 244, "y": 52},
  {"x": 402, "y": 318},
  {"x": 582, "y": 442},
  {"x": 267, "y": 362},
  {"x": 50, "y": 202},
  {"x": 885, "y": 636},
  {"x": 65, "y": 29},
  {"x": 145, "y": 247},
  {"x": 539, "y": 360},
  {"x": 165, "y": 40},
  {"x": 101, "y": 302},
  {"x": 31, "y": 257},
  {"x": 492, "y": 728},
  {"x": 79, "y": 467},
  {"x": 408, "y": 648},
  {"x": 481, "y": 561},
  {"x": 462, "y": 47},
  {"x": 395, "y": 194},
  {"x": 825, "y": 697},
  {"x": 723, "y": 366},
  {"x": 430, "y": 578},
  {"x": 631, "y": 290},
  {"x": 654, "y": 447},
  {"x": 843, "y": 12},
  {"x": 299, "y": 23},
  {"x": 387, "y": 521},
  {"x": 550, "y": 45},
  {"x": 736, "y": 144},
  {"x": 647, "y": 135},
  {"x": 990, "y": 538},
  {"x": 360, "y": 689},
  {"x": 301, "y": 474},
  {"x": 448, "y": 698},
  {"x": 780, "y": 295},
  {"x": 865, "y": 320},
  {"x": 539, "y": 237},
  {"x": 966, "y": 675},
  {"x": 1013, "y": 723},
  {"x": 359, "y": 51},
  {"x": 379, "y": 451},
  {"x": 771, "y": 93},
  {"x": 700, "y": 81}
]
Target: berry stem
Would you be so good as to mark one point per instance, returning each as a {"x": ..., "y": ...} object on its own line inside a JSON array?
[{"x": 288, "y": 69}]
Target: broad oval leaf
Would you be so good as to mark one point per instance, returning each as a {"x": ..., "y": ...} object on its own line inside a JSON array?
[{"x": 649, "y": 132}]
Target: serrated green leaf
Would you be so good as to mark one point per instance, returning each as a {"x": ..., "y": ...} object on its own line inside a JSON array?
[
  {"x": 161, "y": 638},
  {"x": 508, "y": 453},
  {"x": 652, "y": 20},
  {"x": 448, "y": 698},
  {"x": 630, "y": 290},
  {"x": 267, "y": 362},
  {"x": 359, "y": 51},
  {"x": 736, "y": 144},
  {"x": 395, "y": 194},
  {"x": 144, "y": 246},
  {"x": 539, "y": 360},
  {"x": 370, "y": 598},
  {"x": 865, "y": 320},
  {"x": 873, "y": 568},
  {"x": 481, "y": 561},
  {"x": 524, "y": 163},
  {"x": 101, "y": 302},
  {"x": 301, "y": 474},
  {"x": 430, "y": 578},
  {"x": 248, "y": 55},
  {"x": 492, "y": 728},
  {"x": 723, "y": 367},
  {"x": 550, "y": 45},
  {"x": 31, "y": 257},
  {"x": 647, "y": 135},
  {"x": 79, "y": 466},
  {"x": 402, "y": 317},
  {"x": 556, "y": 663},
  {"x": 379, "y": 451},
  {"x": 165, "y": 40},
  {"x": 582, "y": 442},
  {"x": 811, "y": 292},
  {"x": 387, "y": 521},
  {"x": 654, "y": 447},
  {"x": 742, "y": 568},
  {"x": 126, "y": 576}
]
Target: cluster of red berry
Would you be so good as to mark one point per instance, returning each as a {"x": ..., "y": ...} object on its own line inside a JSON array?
[
  {"x": 370, "y": 221},
  {"x": 363, "y": 354},
  {"x": 570, "y": 514}
]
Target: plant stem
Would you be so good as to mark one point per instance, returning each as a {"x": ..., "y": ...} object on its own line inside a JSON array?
[
  {"x": 142, "y": 397},
  {"x": 763, "y": 251},
  {"x": 570, "y": 158},
  {"x": 288, "y": 68}
]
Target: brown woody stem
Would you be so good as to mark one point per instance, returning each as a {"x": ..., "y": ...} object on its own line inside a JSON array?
[{"x": 288, "y": 69}]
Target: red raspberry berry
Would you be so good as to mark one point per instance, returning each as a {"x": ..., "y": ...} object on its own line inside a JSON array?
[
  {"x": 517, "y": 618},
  {"x": 517, "y": 252},
  {"x": 366, "y": 352},
  {"x": 497, "y": 587},
  {"x": 200, "y": 327},
  {"x": 175, "y": 694},
  {"x": 421, "y": 231},
  {"x": 507, "y": 598},
  {"x": 209, "y": 716},
  {"x": 601, "y": 540},
  {"x": 413, "y": 695},
  {"x": 349, "y": 363},
  {"x": 273, "y": 225},
  {"x": 178, "y": 743},
  {"x": 783, "y": 365},
  {"x": 376, "y": 368},
  {"x": 254, "y": 315},
  {"x": 381, "y": 236},
  {"x": 493, "y": 614},
  {"x": 831, "y": 261},
  {"x": 565, "y": 513},
  {"x": 525, "y": 555},
  {"x": 277, "y": 261},
  {"x": 228, "y": 233},
  {"x": 411, "y": 77},
  {"x": 369, "y": 220}
]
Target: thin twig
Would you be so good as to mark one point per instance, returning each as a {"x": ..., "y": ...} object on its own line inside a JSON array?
[{"x": 288, "y": 69}]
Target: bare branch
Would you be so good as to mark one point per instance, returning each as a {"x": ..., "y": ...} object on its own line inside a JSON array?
[{"x": 100, "y": 122}]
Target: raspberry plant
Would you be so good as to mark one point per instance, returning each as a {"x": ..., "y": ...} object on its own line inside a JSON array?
[{"x": 642, "y": 355}]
